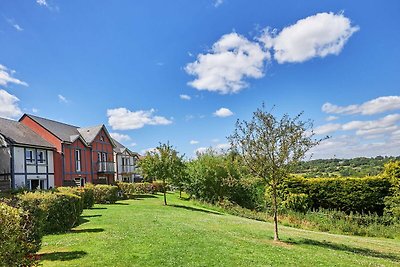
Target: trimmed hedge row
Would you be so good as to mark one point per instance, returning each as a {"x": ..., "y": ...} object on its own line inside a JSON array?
[
  {"x": 86, "y": 193},
  {"x": 346, "y": 194},
  {"x": 130, "y": 189},
  {"x": 105, "y": 194}
]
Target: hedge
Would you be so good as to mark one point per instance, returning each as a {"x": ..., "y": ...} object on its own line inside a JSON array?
[
  {"x": 105, "y": 194},
  {"x": 130, "y": 189},
  {"x": 14, "y": 245},
  {"x": 56, "y": 212},
  {"x": 86, "y": 193},
  {"x": 362, "y": 195}
]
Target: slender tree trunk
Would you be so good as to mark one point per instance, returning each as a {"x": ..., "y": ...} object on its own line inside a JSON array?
[
  {"x": 180, "y": 193},
  {"x": 165, "y": 193},
  {"x": 275, "y": 210}
]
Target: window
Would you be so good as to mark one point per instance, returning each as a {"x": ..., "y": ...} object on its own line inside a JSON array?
[
  {"x": 102, "y": 138},
  {"x": 78, "y": 160},
  {"x": 41, "y": 157},
  {"x": 80, "y": 181},
  {"x": 37, "y": 184},
  {"x": 104, "y": 157},
  {"x": 99, "y": 157},
  {"x": 30, "y": 156}
]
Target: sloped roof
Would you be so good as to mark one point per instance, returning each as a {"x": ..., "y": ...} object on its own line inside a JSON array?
[
  {"x": 61, "y": 130},
  {"x": 90, "y": 133},
  {"x": 69, "y": 133},
  {"x": 18, "y": 133},
  {"x": 120, "y": 148}
]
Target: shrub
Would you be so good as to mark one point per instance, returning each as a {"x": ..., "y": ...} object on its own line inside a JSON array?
[
  {"x": 105, "y": 194},
  {"x": 86, "y": 193},
  {"x": 14, "y": 245},
  {"x": 54, "y": 212},
  {"x": 297, "y": 202},
  {"x": 130, "y": 189},
  {"x": 345, "y": 194}
]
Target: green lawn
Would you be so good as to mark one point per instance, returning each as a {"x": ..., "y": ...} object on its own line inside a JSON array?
[{"x": 143, "y": 232}]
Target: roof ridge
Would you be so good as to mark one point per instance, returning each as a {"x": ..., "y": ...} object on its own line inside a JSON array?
[{"x": 34, "y": 116}]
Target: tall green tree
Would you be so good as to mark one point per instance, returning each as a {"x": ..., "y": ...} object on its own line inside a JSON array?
[
  {"x": 270, "y": 147},
  {"x": 163, "y": 163}
]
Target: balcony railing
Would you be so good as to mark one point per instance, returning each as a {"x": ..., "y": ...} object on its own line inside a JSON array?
[
  {"x": 127, "y": 168},
  {"x": 105, "y": 166}
]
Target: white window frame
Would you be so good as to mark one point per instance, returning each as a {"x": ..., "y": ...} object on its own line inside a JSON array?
[
  {"x": 78, "y": 162},
  {"x": 41, "y": 161},
  {"x": 32, "y": 159}
]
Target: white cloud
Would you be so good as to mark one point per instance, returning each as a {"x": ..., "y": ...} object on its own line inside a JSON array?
[
  {"x": 9, "y": 105},
  {"x": 327, "y": 128},
  {"x": 42, "y": 3},
  {"x": 150, "y": 149},
  {"x": 18, "y": 28},
  {"x": 124, "y": 119},
  {"x": 120, "y": 137},
  {"x": 219, "y": 148},
  {"x": 217, "y": 3},
  {"x": 374, "y": 106},
  {"x": 132, "y": 144},
  {"x": 62, "y": 98},
  {"x": 194, "y": 142},
  {"x": 6, "y": 77},
  {"x": 223, "y": 112},
  {"x": 386, "y": 124},
  {"x": 346, "y": 146},
  {"x": 331, "y": 118},
  {"x": 315, "y": 36},
  {"x": 231, "y": 59},
  {"x": 35, "y": 110},
  {"x": 185, "y": 97}
]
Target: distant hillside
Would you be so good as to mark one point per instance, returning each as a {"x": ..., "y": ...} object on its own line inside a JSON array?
[{"x": 356, "y": 167}]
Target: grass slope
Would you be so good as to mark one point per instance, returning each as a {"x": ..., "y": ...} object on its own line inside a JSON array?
[{"x": 143, "y": 232}]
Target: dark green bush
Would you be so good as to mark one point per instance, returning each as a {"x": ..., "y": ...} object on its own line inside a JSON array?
[
  {"x": 130, "y": 189},
  {"x": 363, "y": 195},
  {"x": 58, "y": 212},
  {"x": 14, "y": 246},
  {"x": 86, "y": 193},
  {"x": 105, "y": 194}
]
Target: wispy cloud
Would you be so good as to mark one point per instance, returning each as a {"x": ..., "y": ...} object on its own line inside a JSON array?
[
  {"x": 374, "y": 106},
  {"x": 124, "y": 119},
  {"x": 6, "y": 77},
  {"x": 62, "y": 99},
  {"x": 217, "y": 3},
  {"x": 194, "y": 142},
  {"x": 185, "y": 97},
  {"x": 120, "y": 137},
  {"x": 42, "y": 3}
]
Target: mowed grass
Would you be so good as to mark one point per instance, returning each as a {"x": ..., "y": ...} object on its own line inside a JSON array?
[{"x": 143, "y": 232}]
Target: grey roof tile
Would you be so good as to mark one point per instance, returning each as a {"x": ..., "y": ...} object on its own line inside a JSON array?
[{"x": 18, "y": 133}]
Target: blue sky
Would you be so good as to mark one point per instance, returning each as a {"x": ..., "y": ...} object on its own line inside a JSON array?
[{"x": 157, "y": 71}]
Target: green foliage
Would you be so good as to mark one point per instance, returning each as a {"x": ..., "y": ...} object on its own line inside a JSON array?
[
  {"x": 392, "y": 202},
  {"x": 55, "y": 212},
  {"x": 297, "y": 202},
  {"x": 345, "y": 194},
  {"x": 86, "y": 193},
  {"x": 355, "y": 167},
  {"x": 105, "y": 194},
  {"x": 15, "y": 245},
  {"x": 213, "y": 178},
  {"x": 129, "y": 190},
  {"x": 165, "y": 164}
]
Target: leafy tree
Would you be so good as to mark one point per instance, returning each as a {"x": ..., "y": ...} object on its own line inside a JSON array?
[
  {"x": 392, "y": 202},
  {"x": 270, "y": 147},
  {"x": 163, "y": 163}
]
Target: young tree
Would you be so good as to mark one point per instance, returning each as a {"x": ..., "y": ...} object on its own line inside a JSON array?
[
  {"x": 163, "y": 163},
  {"x": 270, "y": 147}
]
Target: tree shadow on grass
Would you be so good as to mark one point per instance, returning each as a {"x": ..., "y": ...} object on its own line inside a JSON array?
[
  {"x": 143, "y": 196},
  {"x": 99, "y": 208},
  {"x": 195, "y": 209},
  {"x": 62, "y": 256},
  {"x": 119, "y": 203},
  {"x": 356, "y": 250},
  {"x": 91, "y": 216},
  {"x": 93, "y": 230}
]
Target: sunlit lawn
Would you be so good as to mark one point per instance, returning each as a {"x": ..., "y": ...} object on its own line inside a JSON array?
[{"x": 143, "y": 232}]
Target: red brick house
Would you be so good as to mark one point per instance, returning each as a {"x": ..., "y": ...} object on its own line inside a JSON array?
[{"x": 83, "y": 154}]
